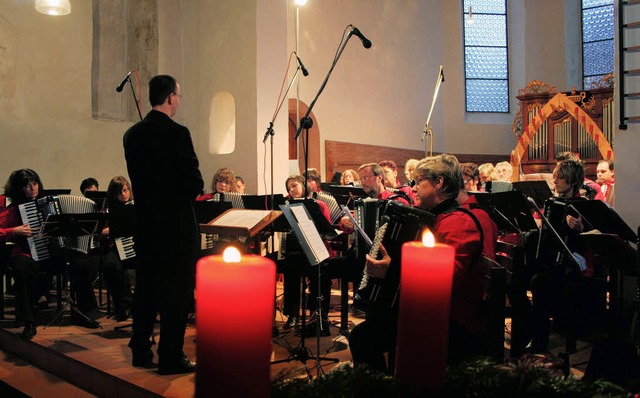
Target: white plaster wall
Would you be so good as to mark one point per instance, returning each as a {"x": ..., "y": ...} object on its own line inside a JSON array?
[{"x": 45, "y": 105}]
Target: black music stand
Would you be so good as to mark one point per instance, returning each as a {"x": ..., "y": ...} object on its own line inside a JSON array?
[
  {"x": 610, "y": 243},
  {"x": 63, "y": 191},
  {"x": 537, "y": 190},
  {"x": 345, "y": 194},
  {"x": 67, "y": 227},
  {"x": 262, "y": 202},
  {"x": 510, "y": 210},
  {"x": 99, "y": 197},
  {"x": 310, "y": 240}
]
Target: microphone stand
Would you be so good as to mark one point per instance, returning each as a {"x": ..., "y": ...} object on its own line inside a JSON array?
[
  {"x": 428, "y": 151},
  {"x": 135, "y": 98},
  {"x": 306, "y": 122},
  {"x": 270, "y": 132}
]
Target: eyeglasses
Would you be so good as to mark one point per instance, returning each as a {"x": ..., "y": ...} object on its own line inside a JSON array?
[
  {"x": 367, "y": 177},
  {"x": 223, "y": 181}
]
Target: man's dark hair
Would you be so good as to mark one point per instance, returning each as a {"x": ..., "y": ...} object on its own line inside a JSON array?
[
  {"x": 160, "y": 87},
  {"x": 16, "y": 183},
  {"x": 88, "y": 183}
]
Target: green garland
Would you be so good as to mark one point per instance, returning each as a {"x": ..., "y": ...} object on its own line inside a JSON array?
[{"x": 530, "y": 377}]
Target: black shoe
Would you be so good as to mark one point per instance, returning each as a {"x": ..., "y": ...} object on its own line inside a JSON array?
[
  {"x": 311, "y": 329},
  {"x": 292, "y": 321},
  {"x": 29, "y": 330},
  {"x": 43, "y": 304},
  {"x": 122, "y": 316},
  {"x": 275, "y": 332},
  {"x": 184, "y": 365},
  {"x": 143, "y": 359}
]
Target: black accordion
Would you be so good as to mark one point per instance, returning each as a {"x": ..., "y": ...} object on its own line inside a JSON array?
[{"x": 399, "y": 224}]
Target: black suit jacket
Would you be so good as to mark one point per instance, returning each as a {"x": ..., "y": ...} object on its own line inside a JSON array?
[{"x": 165, "y": 180}]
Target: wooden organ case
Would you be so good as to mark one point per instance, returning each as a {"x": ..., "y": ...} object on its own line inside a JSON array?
[{"x": 549, "y": 122}]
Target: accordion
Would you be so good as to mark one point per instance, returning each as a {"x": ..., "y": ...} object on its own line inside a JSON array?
[
  {"x": 399, "y": 224},
  {"x": 35, "y": 214},
  {"x": 335, "y": 211}
]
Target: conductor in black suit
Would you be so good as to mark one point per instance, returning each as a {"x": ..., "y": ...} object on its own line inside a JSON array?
[{"x": 159, "y": 153}]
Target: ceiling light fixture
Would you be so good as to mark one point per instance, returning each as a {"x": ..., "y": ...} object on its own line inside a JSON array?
[{"x": 53, "y": 7}]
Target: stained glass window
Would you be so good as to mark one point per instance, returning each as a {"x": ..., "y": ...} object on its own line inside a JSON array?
[
  {"x": 597, "y": 40},
  {"x": 486, "y": 55}
]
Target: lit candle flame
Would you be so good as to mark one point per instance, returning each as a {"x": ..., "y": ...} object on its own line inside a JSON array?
[
  {"x": 428, "y": 239},
  {"x": 231, "y": 255}
]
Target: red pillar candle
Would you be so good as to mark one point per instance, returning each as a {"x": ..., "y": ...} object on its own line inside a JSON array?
[
  {"x": 234, "y": 304},
  {"x": 426, "y": 277}
]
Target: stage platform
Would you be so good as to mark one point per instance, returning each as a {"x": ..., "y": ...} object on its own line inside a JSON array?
[{"x": 98, "y": 361}]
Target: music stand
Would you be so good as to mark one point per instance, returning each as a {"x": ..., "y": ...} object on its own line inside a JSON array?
[
  {"x": 262, "y": 202},
  {"x": 68, "y": 226},
  {"x": 345, "y": 194},
  {"x": 603, "y": 218},
  {"x": 510, "y": 210},
  {"x": 537, "y": 190},
  {"x": 313, "y": 247},
  {"x": 99, "y": 197}
]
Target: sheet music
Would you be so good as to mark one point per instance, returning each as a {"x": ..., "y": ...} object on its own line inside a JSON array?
[
  {"x": 310, "y": 232},
  {"x": 246, "y": 219}
]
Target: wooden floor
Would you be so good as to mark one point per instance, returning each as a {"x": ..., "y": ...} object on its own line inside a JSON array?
[{"x": 98, "y": 361}]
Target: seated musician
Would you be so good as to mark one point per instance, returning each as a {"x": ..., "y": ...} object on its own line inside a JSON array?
[
  {"x": 553, "y": 270},
  {"x": 504, "y": 171},
  {"x": 487, "y": 173},
  {"x": 313, "y": 179},
  {"x": 606, "y": 178},
  {"x": 592, "y": 186},
  {"x": 409, "y": 167},
  {"x": 468, "y": 201},
  {"x": 23, "y": 186},
  {"x": 89, "y": 184},
  {"x": 391, "y": 182},
  {"x": 349, "y": 177},
  {"x": 119, "y": 194},
  {"x": 437, "y": 183},
  {"x": 296, "y": 266},
  {"x": 224, "y": 180},
  {"x": 372, "y": 179},
  {"x": 241, "y": 187}
]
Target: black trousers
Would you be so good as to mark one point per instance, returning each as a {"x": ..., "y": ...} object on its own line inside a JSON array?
[
  {"x": 165, "y": 280},
  {"x": 24, "y": 271}
]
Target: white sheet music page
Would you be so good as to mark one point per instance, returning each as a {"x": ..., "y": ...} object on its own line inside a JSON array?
[
  {"x": 310, "y": 232},
  {"x": 239, "y": 218}
]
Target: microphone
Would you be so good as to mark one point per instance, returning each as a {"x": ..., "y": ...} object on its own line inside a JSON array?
[
  {"x": 441, "y": 73},
  {"x": 304, "y": 70},
  {"x": 124, "y": 81},
  {"x": 365, "y": 42}
]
